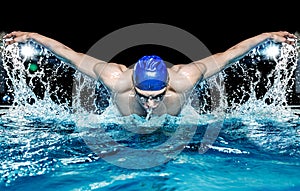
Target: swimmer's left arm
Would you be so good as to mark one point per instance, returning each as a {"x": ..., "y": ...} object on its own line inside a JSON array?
[{"x": 217, "y": 62}]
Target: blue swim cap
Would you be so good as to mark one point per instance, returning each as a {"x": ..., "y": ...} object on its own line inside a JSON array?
[{"x": 150, "y": 73}]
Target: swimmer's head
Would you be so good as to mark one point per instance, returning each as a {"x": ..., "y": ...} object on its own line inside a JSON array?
[{"x": 150, "y": 73}]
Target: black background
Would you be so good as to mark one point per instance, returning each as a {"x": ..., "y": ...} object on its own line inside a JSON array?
[{"x": 219, "y": 25}]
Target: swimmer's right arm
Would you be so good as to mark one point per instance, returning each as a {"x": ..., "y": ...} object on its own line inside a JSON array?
[{"x": 91, "y": 66}]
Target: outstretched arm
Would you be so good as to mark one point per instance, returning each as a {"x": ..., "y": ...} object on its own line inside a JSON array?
[
  {"x": 220, "y": 61},
  {"x": 91, "y": 66},
  {"x": 213, "y": 64}
]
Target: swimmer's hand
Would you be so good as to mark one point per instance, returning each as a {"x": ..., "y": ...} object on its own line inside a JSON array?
[
  {"x": 283, "y": 36},
  {"x": 16, "y": 36}
]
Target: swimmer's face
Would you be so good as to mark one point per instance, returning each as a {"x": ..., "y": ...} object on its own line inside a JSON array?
[{"x": 150, "y": 99}]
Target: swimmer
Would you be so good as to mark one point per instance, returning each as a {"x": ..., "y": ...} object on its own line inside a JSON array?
[{"x": 150, "y": 88}]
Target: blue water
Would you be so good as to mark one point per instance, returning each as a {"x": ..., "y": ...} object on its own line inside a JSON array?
[
  {"x": 250, "y": 143},
  {"x": 54, "y": 156}
]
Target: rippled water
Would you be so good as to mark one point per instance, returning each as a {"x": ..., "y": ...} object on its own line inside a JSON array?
[
  {"x": 259, "y": 155},
  {"x": 250, "y": 143}
]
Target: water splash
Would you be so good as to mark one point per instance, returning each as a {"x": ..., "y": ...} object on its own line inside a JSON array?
[
  {"x": 256, "y": 85},
  {"x": 38, "y": 103},
  {"x": 149, "y": 113},
  {"x": 276, "y": 85},
  {"x": 38, "y": 91},
  {"x": 251, "y": 98},
  {"x": 35, "y": 94}
]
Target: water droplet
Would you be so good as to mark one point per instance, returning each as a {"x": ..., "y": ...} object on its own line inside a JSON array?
[{"x": 6, "y": 98}]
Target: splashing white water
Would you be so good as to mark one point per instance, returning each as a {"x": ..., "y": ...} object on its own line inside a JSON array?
[
  {"x": 214, "y": 96},
  {"x": 280, "y": 82},
  {"x": 255, "y": 86}
]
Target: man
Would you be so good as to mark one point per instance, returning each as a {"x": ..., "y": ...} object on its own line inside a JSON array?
[{"x": 150, "y": 87}]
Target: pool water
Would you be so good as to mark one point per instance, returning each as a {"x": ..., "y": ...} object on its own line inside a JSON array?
[
  {"x": 53, "y": 155},
  {"x": 248, "y": 143}
]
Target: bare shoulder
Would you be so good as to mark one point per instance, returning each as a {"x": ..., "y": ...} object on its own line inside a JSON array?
[
  {"x": 176, "y": 68},
  {"x": 117, "y": 67},
  {"x": 115, "y": 76},
  {"x": 123, "y": 79},
  {"x": 183, "y": 77},
  {"x": 179, "y": 81}
]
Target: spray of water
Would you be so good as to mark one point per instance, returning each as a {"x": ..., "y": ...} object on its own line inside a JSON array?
[
  {"x": 257, "y": 85},
  {"x": 149, "y": 113},
  {"x": 274, "y": 86},
  {"x": 209, "y": 97},
  {"x": 35, "y": 94}
]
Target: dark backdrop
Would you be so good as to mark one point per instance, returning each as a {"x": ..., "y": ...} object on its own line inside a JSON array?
[{"x": 218, "y": 24}]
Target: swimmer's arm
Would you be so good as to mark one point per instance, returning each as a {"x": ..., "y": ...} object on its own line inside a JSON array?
[
  {"x": 217, "y": 62},
  {"x": 95, "y": 68},
  {"x": 57, "y": 48}
]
